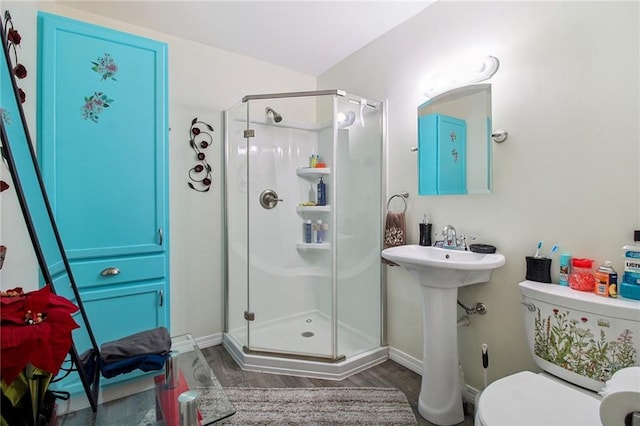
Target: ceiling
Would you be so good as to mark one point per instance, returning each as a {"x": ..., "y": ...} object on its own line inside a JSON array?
[{"x": 305, "y": 36}]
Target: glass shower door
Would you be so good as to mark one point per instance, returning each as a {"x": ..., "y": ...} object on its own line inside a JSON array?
[{"x": 289, "y": 278}]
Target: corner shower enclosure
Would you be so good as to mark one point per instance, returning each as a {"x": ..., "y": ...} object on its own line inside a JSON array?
[{"x": 293, "y": 306}]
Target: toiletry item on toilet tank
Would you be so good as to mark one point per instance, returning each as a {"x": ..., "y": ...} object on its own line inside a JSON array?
[
  {"x": 632, "y": 260},
  {"x": 630, "y": 285},
  {"x": 565, "y": 268},
  {"x": 322, "y": 193},
  {"x": 581, "y": 276},
  {"x": 307, "y": 231},
  {"x": 606, "y": 280}
]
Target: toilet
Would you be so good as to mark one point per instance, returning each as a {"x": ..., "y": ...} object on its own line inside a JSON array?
[{"x": 579, "y": 340}]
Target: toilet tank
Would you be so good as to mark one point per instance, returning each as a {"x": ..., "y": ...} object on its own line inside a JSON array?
[{"x": 579, "y": 336}]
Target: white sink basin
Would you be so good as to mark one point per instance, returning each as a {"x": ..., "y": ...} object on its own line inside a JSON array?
[
  {"x": 444, "y": 268},
  {"x": 440, "y": 272}
]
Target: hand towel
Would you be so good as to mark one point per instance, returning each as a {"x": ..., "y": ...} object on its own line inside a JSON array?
[
  {"x": 394, "y": 233},
  {"x": 150, "y": 342}
]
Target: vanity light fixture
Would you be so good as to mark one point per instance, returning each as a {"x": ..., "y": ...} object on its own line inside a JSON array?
[{"x": 461, "y": 76}]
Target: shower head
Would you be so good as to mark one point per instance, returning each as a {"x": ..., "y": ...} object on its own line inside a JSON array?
[{"x": 276, "y": 117}]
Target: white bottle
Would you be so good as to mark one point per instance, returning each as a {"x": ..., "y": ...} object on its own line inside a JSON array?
[
  {"x": 312, "y": 194},
  {"x": 320, "y": 232},
  {"x": 314, "y": 232}
]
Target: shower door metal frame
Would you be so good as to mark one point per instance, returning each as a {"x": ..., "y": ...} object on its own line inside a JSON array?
[{"x": 334, "y": 357}]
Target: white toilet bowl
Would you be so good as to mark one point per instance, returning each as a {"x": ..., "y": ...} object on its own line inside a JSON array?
[{"x": 529, "y": 399}]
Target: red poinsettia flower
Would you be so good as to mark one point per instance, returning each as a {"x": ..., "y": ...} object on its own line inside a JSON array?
[
  {"x": 20, "y": 71},
  {"x": 13, "y": 36},
  {"x": 36, "y": 329}
]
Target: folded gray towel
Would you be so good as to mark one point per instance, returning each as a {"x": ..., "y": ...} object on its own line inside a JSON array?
[{"x": 155, "y": 341}]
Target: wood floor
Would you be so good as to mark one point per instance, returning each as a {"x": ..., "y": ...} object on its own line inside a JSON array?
[{"x": 387, "y": 374}]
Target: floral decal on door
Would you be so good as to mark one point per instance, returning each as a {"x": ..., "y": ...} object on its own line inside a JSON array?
[
  {"x": 94, "y": 105},
  {"x": 569, "y": 343},
  {"x": 106, "y": 67}
]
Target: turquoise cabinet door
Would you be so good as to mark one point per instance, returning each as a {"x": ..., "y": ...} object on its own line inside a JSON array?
[
  {"x": 110, "y": 311},
  {"x": 442, "y": 155},
  {"x": 102, "y": 133},
  {"x": 452, "y": 156},
  {"x": 122, "y": 305}
]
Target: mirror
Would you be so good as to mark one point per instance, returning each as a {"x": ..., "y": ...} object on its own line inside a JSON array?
[
  {"x": 454, "y": 142},
  {"x": 18, "y": 152}
]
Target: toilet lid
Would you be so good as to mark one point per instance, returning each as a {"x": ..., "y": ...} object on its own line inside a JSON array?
[{"x": 530, "y": 399}]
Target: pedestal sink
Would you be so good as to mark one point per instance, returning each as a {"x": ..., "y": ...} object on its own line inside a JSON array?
[{"x": 440, "y": 272}]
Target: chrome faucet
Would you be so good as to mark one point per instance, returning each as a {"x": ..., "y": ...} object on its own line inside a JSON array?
[{"x": 450, "y": 236}]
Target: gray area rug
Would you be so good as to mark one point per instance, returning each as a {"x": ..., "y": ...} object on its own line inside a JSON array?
[{"x": 319, "y": 406}]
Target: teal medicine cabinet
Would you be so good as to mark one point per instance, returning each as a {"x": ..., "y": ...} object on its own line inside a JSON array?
[{"x": 454, "y": 142}]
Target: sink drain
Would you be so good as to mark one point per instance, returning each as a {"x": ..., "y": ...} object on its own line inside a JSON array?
[{"x": 307, "y": 334}]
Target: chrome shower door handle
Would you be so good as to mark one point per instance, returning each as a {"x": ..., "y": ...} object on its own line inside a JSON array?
[{"x": 269, "y": 199}]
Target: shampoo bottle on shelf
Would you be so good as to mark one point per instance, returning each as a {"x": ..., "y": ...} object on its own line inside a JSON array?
[
  {"x": 322, "y": 193},
  {"x": 312, "y": 194},
  {"x": 307, "y": 231},
  {"x": 319, "y": 232}
]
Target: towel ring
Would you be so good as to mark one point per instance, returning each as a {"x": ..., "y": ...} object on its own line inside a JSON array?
[{"x": 403, "y": 197}]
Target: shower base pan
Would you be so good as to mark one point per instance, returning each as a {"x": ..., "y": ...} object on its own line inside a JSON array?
[{"x": 305, "y": 332}]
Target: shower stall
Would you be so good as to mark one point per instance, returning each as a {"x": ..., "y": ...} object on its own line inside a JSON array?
[{"x": 299, "y": 301}]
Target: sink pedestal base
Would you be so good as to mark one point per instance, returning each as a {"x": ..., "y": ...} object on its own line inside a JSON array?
[{"x": 440, "y": 400}]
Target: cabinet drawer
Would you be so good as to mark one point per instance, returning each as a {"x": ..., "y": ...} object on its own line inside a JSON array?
[{"x": 99, "y": 272}]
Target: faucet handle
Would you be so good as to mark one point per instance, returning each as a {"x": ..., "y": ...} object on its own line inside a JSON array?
[{"x": 462, "y": 243}]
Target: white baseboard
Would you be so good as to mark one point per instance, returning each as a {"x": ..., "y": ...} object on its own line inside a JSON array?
[
  {"x": 469, "y": 393},
  {"x": 405, "y": 360},
  {"x": 208, "y": 341}
]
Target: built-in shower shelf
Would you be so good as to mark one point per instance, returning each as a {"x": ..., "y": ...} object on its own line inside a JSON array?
[
  {"x": 313, "y": 209},
  {"x": 313, "y": 172},
  {"x": 313, "y": 246}
]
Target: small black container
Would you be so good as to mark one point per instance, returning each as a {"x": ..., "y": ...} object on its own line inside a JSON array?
[
  {"x": 425, "y": 234},
  {"x": 539, "y": 269}
]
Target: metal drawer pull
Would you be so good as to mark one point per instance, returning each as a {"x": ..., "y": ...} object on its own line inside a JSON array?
[
  {"x": 160, "y": 235},
  {"x": 107, "y": 272},
  {"x": 161, "y": 294}
]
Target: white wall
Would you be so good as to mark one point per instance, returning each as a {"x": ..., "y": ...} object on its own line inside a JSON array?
[
  {"x": 567, "y": 91},
  {"x": 203, "y": 82}
]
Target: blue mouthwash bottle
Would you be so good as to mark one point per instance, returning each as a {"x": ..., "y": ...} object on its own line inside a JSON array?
[{"x": 630, "y": 286}]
